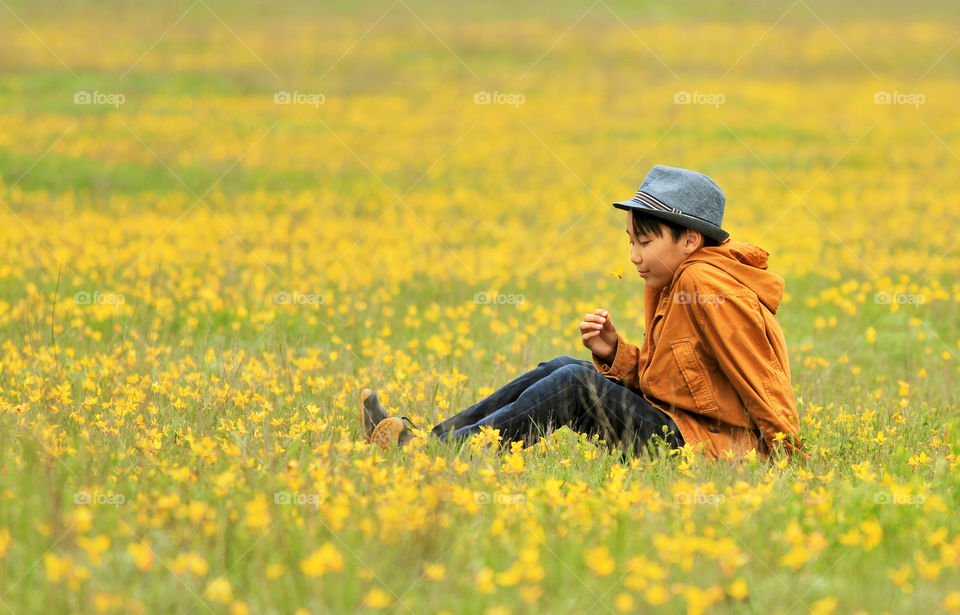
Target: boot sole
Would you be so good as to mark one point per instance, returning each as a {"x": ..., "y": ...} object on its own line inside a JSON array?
[{"x": 386, "y": 434}]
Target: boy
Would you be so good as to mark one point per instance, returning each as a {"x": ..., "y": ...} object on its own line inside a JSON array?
[{"x": 712, "y": 371}]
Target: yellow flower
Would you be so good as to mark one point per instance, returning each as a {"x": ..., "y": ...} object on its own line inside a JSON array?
[
  {"x": 5, "y": 541},
  {"x": 623, "y": 602},
  {"x": 191, "y": 562},
  {"x": 700, "y": 600},
  {"x": 862, "y": 471},
  {"x": 951, "y": 603},
  {"x": 599, "y": 561},
  {"x": 530, "y": 593},
  {"x": 258, "y": 512},
  {"x": 376, "y": 598},
  {"x": 483, "y": 579},
  {"x": 142, "y": 555},
  {"x": 488, "y": 436},
  {"x": 824, "y": 606},
  {"x": 511, "y": 576},
  {"x": 901, "y": 578},
  {"x": 94, "y": 547},
  {"x": 323, "y": 560},
  {"x": 435, "y": 572},
  {"x": 738, "y": 590},
  {"x": 63, "y": 569},
  {"x": 873, "y": 534},
  {"x": 656, "y": 594},
  {"x": 57, "y": 567},
  {"x": 219, "y": 590},
  {"x": 239, "y": 607}
]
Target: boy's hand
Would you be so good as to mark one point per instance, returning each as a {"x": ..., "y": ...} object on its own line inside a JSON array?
[{"x": 599, "y": 335}]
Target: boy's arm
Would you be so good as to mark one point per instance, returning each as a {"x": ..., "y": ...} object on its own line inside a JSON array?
[
  {"x": 624, "y": 366},
  {"x": 734, "y": 329}
]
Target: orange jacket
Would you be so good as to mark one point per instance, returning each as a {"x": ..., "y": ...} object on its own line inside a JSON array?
[{"x": 713, "y": 356}]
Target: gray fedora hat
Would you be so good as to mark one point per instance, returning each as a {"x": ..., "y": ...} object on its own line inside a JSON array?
[{"x": 686, "y": 197}]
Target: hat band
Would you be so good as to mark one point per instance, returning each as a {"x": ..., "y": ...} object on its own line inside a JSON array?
[{"x": 653, "y": 202}]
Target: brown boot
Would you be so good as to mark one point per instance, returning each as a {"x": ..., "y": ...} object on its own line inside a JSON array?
[
  {"x": 378, "y": 428},
  {"x": 371, "y": 412},
  {"x": 391, "y": 432}
]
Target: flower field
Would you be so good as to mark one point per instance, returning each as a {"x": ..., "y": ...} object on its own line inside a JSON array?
[{"x": 221, "y": 221}]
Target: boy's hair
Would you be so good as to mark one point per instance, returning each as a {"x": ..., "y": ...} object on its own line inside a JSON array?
[{"x": 645, "y": 224}]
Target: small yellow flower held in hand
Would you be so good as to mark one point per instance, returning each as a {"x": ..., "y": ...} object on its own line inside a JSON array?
[{"x": 619, "y": 274}]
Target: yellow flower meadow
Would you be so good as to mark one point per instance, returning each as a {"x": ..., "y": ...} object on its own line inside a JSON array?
[{"x": 222, "y": 221}]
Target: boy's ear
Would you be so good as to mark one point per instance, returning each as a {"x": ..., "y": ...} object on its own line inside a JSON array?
[{"x": 693, "y": 241}]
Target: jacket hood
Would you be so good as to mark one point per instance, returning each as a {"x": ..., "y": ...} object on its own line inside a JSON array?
[{"x": 745, "y": 263}]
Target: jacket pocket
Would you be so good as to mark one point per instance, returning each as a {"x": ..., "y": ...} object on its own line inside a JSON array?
[{"x": 695, "y": 376}]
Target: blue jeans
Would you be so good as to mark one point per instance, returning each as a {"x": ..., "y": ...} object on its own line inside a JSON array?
[{"x": 565, "y": 391}]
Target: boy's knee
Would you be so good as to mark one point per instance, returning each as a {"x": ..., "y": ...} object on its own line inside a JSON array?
[
  {"x": 575, "y": 373},
  {"x": 558, "y": 362}
]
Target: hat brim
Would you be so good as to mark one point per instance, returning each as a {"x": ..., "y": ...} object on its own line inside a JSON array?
[{"x": 710, "y": 230}]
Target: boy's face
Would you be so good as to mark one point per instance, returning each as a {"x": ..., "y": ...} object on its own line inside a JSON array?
[{"x": 656, "y": 258}]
